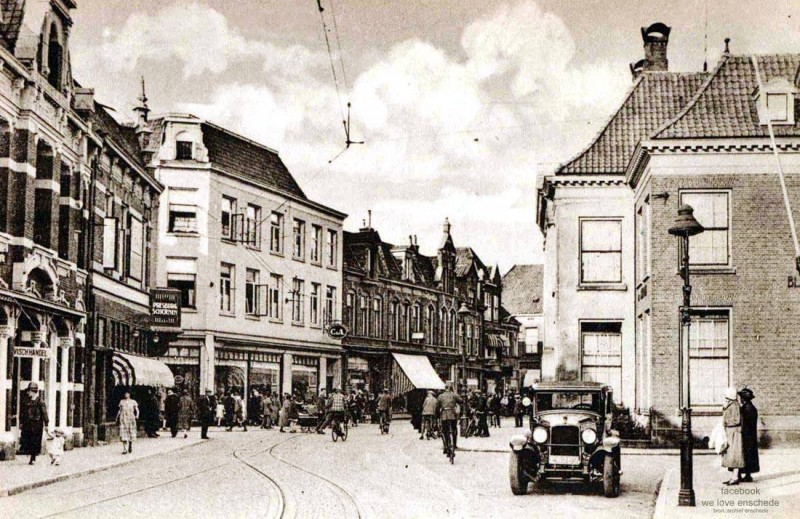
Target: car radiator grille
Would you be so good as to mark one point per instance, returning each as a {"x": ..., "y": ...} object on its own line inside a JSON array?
[{"x": 565, "y": 441}]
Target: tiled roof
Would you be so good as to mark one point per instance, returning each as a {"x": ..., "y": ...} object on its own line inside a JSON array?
[
  {"x": 122, "y": 136},
  {"x": 522, "y": 289},
  {"x": 725, "y": 106},
  {"x": 12, "y": 11},
  {"x": 654, "y": 98},
  {"x": 465, "y": 258},
  {"x": 356, "y": 255},
  {"x": 243, "y": 157}
]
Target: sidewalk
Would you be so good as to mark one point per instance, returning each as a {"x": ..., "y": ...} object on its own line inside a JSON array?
[
  {"x": 17, "y": 476},
  {"x": 774, "y": 493}
]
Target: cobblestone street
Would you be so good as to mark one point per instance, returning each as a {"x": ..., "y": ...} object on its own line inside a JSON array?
[{"x": 267, "y": 474}]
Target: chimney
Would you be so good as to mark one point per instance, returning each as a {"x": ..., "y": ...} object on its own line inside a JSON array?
[{"x": 656, "y": 39}]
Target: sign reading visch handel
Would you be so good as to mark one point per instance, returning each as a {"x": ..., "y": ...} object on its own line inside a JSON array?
[{"x": 165, "y": 307}]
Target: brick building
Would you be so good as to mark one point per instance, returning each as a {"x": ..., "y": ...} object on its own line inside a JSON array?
[
  {"x": 74, "y": 239},
  {"x": 442, "y": 310},
  {"x": 258, "y": 263},
  {"x": 715, "y": 155}
]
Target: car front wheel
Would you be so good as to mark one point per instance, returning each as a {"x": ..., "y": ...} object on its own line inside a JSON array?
[
  {"x": 517, "y": 478},
  {"x": 610, "y": 476}
]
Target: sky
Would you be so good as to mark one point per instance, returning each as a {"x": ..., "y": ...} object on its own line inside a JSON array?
[{"x": 461, "y": 104}]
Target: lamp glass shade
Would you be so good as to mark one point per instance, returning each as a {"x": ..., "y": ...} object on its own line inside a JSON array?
[
  {"x": 685, "y": 223},
  {"x": 463, "y": 310}
]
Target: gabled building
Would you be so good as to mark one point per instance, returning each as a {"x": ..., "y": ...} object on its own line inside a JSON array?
[
  {"x": 522, "y": 298},
  {"x": 585, "y": 212},
  {"x": 716, "y": 156}
]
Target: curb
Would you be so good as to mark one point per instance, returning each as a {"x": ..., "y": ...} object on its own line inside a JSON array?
[
  {"x": 63, "y": 477},
  {"x": 660, "y": 510}
]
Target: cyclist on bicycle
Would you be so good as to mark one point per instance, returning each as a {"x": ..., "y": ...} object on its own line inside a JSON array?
[
  {"x": 448, "y": 414},
  {"x": 385, "y": 406},
  {"x": 429, "y": 407},
  {"x": 336, "y": 409}
]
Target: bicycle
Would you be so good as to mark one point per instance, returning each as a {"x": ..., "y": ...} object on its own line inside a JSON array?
[
  {"x": 339, "y": 429},
  {"x": 447, "y": 436}
]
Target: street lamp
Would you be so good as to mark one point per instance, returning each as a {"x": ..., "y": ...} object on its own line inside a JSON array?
[{"x": 685, "y": 226}]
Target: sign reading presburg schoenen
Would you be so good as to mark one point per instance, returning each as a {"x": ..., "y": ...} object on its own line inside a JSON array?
[{"x": 165, "y": 307}]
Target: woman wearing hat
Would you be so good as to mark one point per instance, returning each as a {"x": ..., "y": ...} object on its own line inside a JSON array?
[
  {"x": 733, "y": 457},
  {"x": 749, "y": 415},
  {"x": 32, "y": 422}
]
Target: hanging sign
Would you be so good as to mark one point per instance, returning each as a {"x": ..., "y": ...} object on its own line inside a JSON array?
[
  {"x": 337, "y": 331},
  {"x": 41, "y": 353},
  {"x": 165, "y": 307}
]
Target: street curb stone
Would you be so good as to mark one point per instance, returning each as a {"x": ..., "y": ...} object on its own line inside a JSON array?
[
  {"x": 660, "y": 510},
  {"x": 5, "y": 492}
]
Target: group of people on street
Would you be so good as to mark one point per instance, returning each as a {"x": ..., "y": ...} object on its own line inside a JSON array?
[{"x": 740, "y": 420}]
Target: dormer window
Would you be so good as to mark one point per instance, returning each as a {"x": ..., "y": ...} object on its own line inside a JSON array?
[
  {"x": 183, "y": 150},
  {"x": 776, "y": 103}
]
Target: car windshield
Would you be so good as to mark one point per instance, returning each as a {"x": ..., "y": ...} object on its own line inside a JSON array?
[{"x": 567, "y": 400}]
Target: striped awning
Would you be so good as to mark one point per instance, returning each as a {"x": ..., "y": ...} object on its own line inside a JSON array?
[
  {"x": 132, "y": 370},
  {"x": 413, "y": 372}
]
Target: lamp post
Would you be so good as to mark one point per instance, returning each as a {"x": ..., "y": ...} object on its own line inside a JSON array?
[{"x": 685, "y": 226}]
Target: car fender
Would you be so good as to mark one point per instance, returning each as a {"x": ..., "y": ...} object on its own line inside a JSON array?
[{"x": 610, "y": 446}]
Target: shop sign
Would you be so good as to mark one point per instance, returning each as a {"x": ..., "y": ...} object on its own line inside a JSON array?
[
  {"x": 357, "y": 364},
  {"x": 337, "y": 331},
  {"x": 38, "y": 337},
  {"x": 42, "y": 353},
  {"x": 66, "y": 342},
  {"x": 165, "y": 307}
]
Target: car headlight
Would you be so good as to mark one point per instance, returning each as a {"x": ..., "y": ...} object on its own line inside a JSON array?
[
  {"x": 526, "y": 401},
  {"x": 540, "y": 435},
  {"x": 589, "y": 436}
]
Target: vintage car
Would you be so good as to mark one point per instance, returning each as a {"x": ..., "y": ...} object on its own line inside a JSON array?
[{"x": 570, "y": 438}]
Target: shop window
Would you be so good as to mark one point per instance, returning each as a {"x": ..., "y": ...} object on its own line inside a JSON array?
[
  {"x": 601, "y": 251},
  {"x": 601, "y": 345}
]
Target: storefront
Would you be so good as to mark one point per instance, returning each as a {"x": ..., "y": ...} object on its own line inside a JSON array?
[{"x": 305, "y": 375}]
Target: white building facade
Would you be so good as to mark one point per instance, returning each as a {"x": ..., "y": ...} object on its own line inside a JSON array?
[{"x": 258, "y": 264}]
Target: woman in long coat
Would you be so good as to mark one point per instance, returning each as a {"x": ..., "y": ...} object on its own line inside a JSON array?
[
  {"x": 286, "y": 408},
  {"x": 33, "y": 421},
  {"x": 186, "y": 413},
  {"x": 733, "y": 457},
  {"x": 126, "y": 417},
  {"x": 749, "y": 435}
]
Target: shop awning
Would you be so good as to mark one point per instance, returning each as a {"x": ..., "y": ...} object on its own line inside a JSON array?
[
  {"x": 415, "y": 371},
  {"x": 531, "y": 378},
  {"x": 132, "y": 370}
]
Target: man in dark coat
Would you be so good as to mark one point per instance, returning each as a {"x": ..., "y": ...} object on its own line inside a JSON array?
[
  {"x": 206, "y": 408},
  {"x": 32, "y": 422},
  {"x": 749, "y": 417},
  {"x": 150, "y": 415},
  {"x": 230, "y": 410},
  {"x": 172, "y": 407},
  {"x": 481, "y": 410}
]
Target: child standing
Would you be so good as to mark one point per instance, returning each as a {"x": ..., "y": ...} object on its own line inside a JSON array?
[
  {"x": 56, "y": 447},
  {"x": 220, "y": 411}
]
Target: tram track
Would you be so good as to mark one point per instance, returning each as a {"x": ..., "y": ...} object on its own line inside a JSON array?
[{"x": 280, "y": 508}]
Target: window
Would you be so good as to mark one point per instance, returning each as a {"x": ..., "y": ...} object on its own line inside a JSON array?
[
  {"x": 299, "y": 239},
  {"x": 601, "y": 345},
  {"x": 182, "y": 210},
  {"x": 276, "y": 232},
  {"x": 710, "y": 247},
  {"x": 253, "y": 226},
  {"x": 443, "y": 327},
  {"x": 182, "y": 275},
  {"x": 226, "y": 287},
  {"x": 332, "y": 247},
  {"x": 601, "y": 251},
  {"x": 330, "y": 304},
  {"x": 298, "y": 289},
  {"x": 183, "y": 150},
  {"x": 251, "y": 280},
  {"x": 376, "y": 330},
  {"x": 415, "y": 319},
  {"x": 394, "y": 320},
  {"x": 110, "y": 230},
  {"x": 709, "y": 346},
  {"x": 275, "y": 296},
  {"x": 349, "y": 311},
  {"x": 405, "y": 310},
  {"x": 778, "y": 107},
  {"x": 531, "y": 341},
  {"x": 363, "y": 315},
  {"x": 314, "y": 306},
  {"x": 430, "y": 315},
  {"x": 135, "y": 248},
  {"x": 316, "y": 243},
  {"x": 227, "y": 218}
]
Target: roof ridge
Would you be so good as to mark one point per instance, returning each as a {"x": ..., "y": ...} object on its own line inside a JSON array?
[
  {"x": 700, "y": 91},
  {"x": 638, "y": 81},
  {"x": 239, "y": 136}
]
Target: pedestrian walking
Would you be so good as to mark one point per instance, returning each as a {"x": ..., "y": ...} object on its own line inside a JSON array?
[
  {"x": 220, "y": 411},
  {"x": 266, "y": 422},
  {"x": 127, "y": 414},
  {"x": 55, "y": 447},
  {"x": 206, "y": 409},
  {"x": 732, "y": 457},
  {"x": 32, "y": 422},
  {"x": 481, "y": 410},
  {"x": 519, "y": 411},
  {"x": 186, "y": 413},
  {"x": 172, "y": 407},
  {"x": 286, "y": 408},
  {"x": 151, "y": 416},
  {"x": 230, "y": 410},
  {"x": 749, "y": 416},
  {"x": 238, "y": 411},
  {"x": 429, "y": 407}
]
